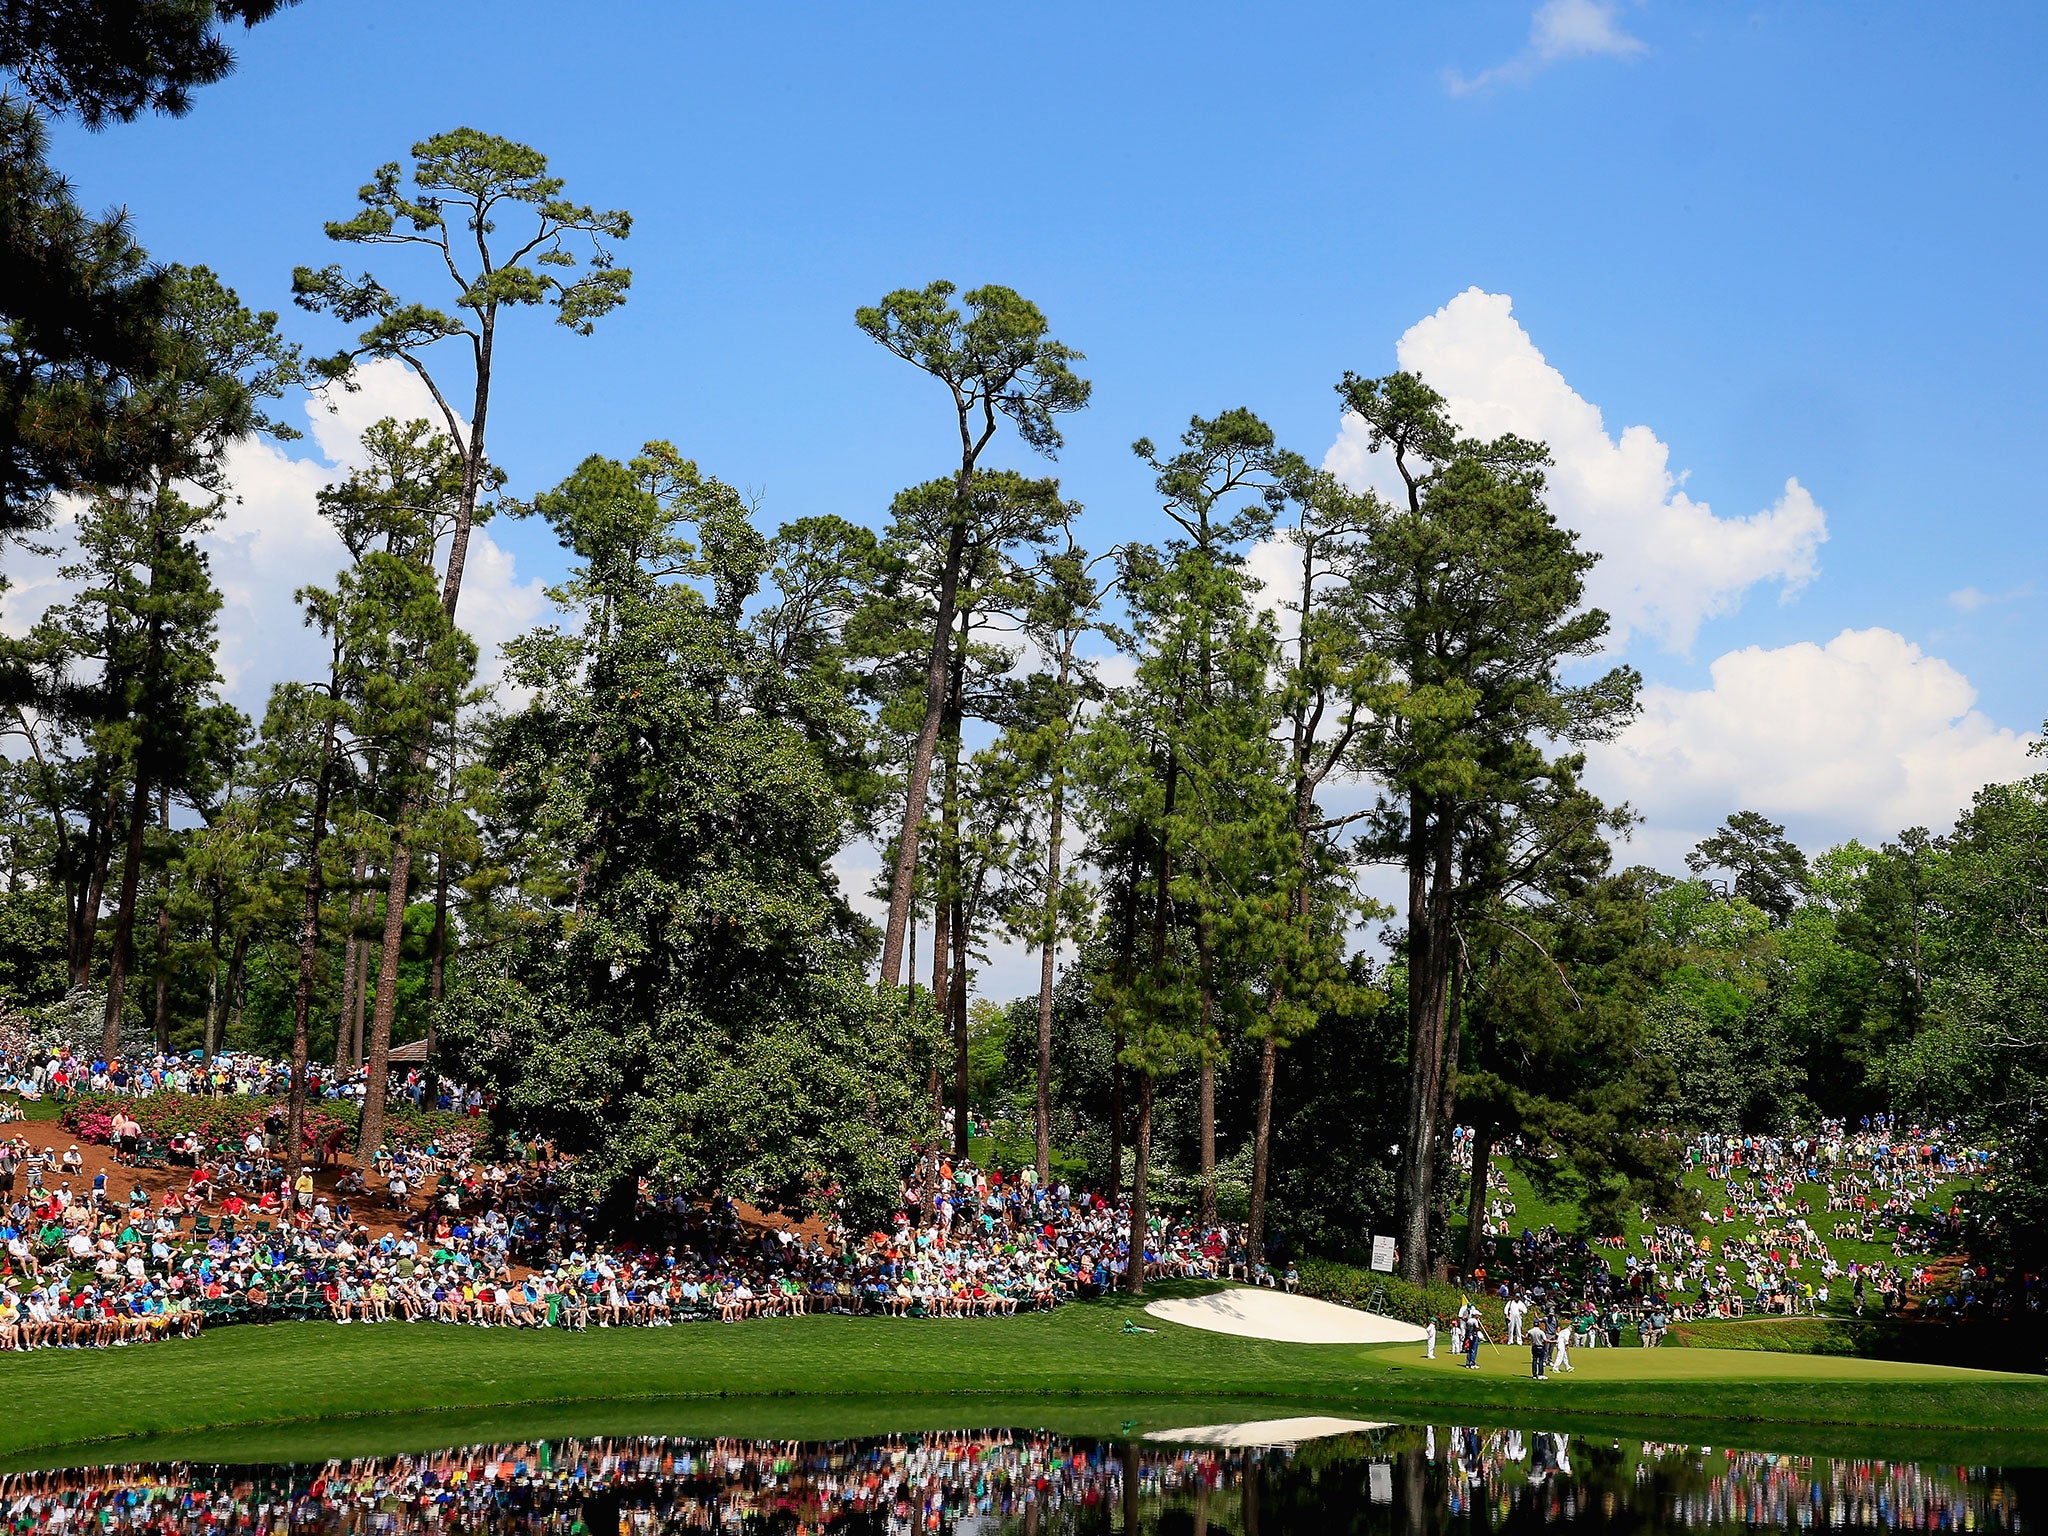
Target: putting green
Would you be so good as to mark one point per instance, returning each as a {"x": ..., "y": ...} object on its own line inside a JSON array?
[
  {"x": 1682, "y": 1365},
  {"x": 1108, "y": 1353}
]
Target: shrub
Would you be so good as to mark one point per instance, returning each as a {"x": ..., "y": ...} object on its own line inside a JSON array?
[{"x": 1394, "y": 1297}]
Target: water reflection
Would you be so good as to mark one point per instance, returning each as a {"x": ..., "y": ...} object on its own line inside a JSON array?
[{"x": 1406, "y": 1479}]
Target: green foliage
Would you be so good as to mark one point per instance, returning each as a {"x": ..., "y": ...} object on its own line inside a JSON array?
[
  {"x": 84, "y": 337},
  {"x": 1472, "y": 595},
  {"x": 693, "y": 1010},
  {"x": 1554, "y": 1021},
  {"x": 1731, "y": 1066},
  {"x": 1766, "y": 869},
  {"x": 462, "y": 185},
  {"x": 81, "y": 314},
  {"x": 32, "y": 960},
  {"x": 1391, "y": 1296},
  {"x": 1336, "y": 1126},
  {"x": 104, "y": 62},
  {"x": 266, "y": 1024},
  {"x": 994, "y": 354}
]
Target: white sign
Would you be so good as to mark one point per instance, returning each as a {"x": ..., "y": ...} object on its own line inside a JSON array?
[{"x": 1383, "y": 1255}]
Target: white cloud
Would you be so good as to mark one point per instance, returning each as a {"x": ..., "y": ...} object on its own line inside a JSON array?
[
  {"x": 1970, "y": 599},
  {"x": 1560, "y": 30},
  {"x": 1863, "y": 736},
  {"x": 271, "y": 540},
  {"x": 1667, "y": 562}
]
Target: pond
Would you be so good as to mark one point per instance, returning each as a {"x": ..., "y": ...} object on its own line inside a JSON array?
[{"x": 1323, "y": 1475}]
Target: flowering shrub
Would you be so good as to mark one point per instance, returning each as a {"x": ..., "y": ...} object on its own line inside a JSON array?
[
  {"x": 225, "y": 1122},
  {"x": 93, "y": 1124}
]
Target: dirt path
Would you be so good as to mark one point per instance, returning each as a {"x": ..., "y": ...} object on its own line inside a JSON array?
[{"x": 373, "y": 1210}]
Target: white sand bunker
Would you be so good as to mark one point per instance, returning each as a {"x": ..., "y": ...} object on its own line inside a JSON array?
[
  {"x": 1254, "y": 1313},
  {"x": 1262, "y": 1432}
]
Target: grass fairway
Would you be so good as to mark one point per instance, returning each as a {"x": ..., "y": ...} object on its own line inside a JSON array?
[{"x": 840, "y": 1375}]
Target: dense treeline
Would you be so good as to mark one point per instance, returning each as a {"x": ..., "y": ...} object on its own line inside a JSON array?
[{"x": 606, "y": 893}]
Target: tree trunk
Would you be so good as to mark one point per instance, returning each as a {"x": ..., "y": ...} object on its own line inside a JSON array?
[
  {"x": 437, "y": 979},
  {"x": 957, "y": 1006},
  {"x": 1127, "y": 971},
  {"x": 1269, "y": 1048},
  {"x": 1429, "y": 895},
  {"x": 224, "y": 999},
  {"x": 99, "y": 852},
  {"x": 1447, "y": 1092},
  {"x": 364, "y": 955},
  {"x": 472, "y": 466},
  {"x": 1141, "y": 1168},
  {"x": 938, "y": 682},
  {"x": 1048, "y": 954},
  {"x": 238, "y": 990},
  {"x": 309, "y": 953},
  {"x": 942, "y": 959},
  {"x": 1262, "y": 1144},
  {"x": 348, "y": 1028},
  {"x": 437, "y": 974},
  {"x": 377, "y": 1054},
  {"x": 1207, "y": 1207},
  {"x": 206, "y": 1033},
  {"x": 1115, "y": 1182},
  {"x": 163, "y": 935},
  {"x": 903, "y": 881},
  {"x": 1454, "y": 1030},
  {"x": 1205, "y": 963},
  {"x": 124, "y": 914},
  {"x": 1475, "y": 1203},
  {"x": 370, "y": 1137}
]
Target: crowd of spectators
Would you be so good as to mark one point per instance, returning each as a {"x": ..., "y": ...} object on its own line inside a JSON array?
[
  {"x": 32, "y": 1070},
  {"x": 514, "y": 1243},
  {"x": 1757, "y": 1247}
]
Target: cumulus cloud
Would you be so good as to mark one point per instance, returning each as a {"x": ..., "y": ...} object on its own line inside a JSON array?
[
  {"x": 1667, "y": 561},
  {"x": 271, "y": 540},
  {"x": 1861, "y": 737},
  {"x": 1560, "y": 30}
]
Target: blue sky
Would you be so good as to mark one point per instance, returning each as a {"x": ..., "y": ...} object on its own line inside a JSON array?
[{"x": 1789, "y": 240}]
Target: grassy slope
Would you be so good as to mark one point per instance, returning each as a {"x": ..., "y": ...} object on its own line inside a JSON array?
[
  {"x": 1534, "y": 1212},
  {"x": 1076, "y": 1358},
  {"x": 34, "y": 1109}
]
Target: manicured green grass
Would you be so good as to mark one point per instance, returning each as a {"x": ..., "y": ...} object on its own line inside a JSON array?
[
  {"x": 877, "y": 1371},
  {"x": 34, "y": 1109}
]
